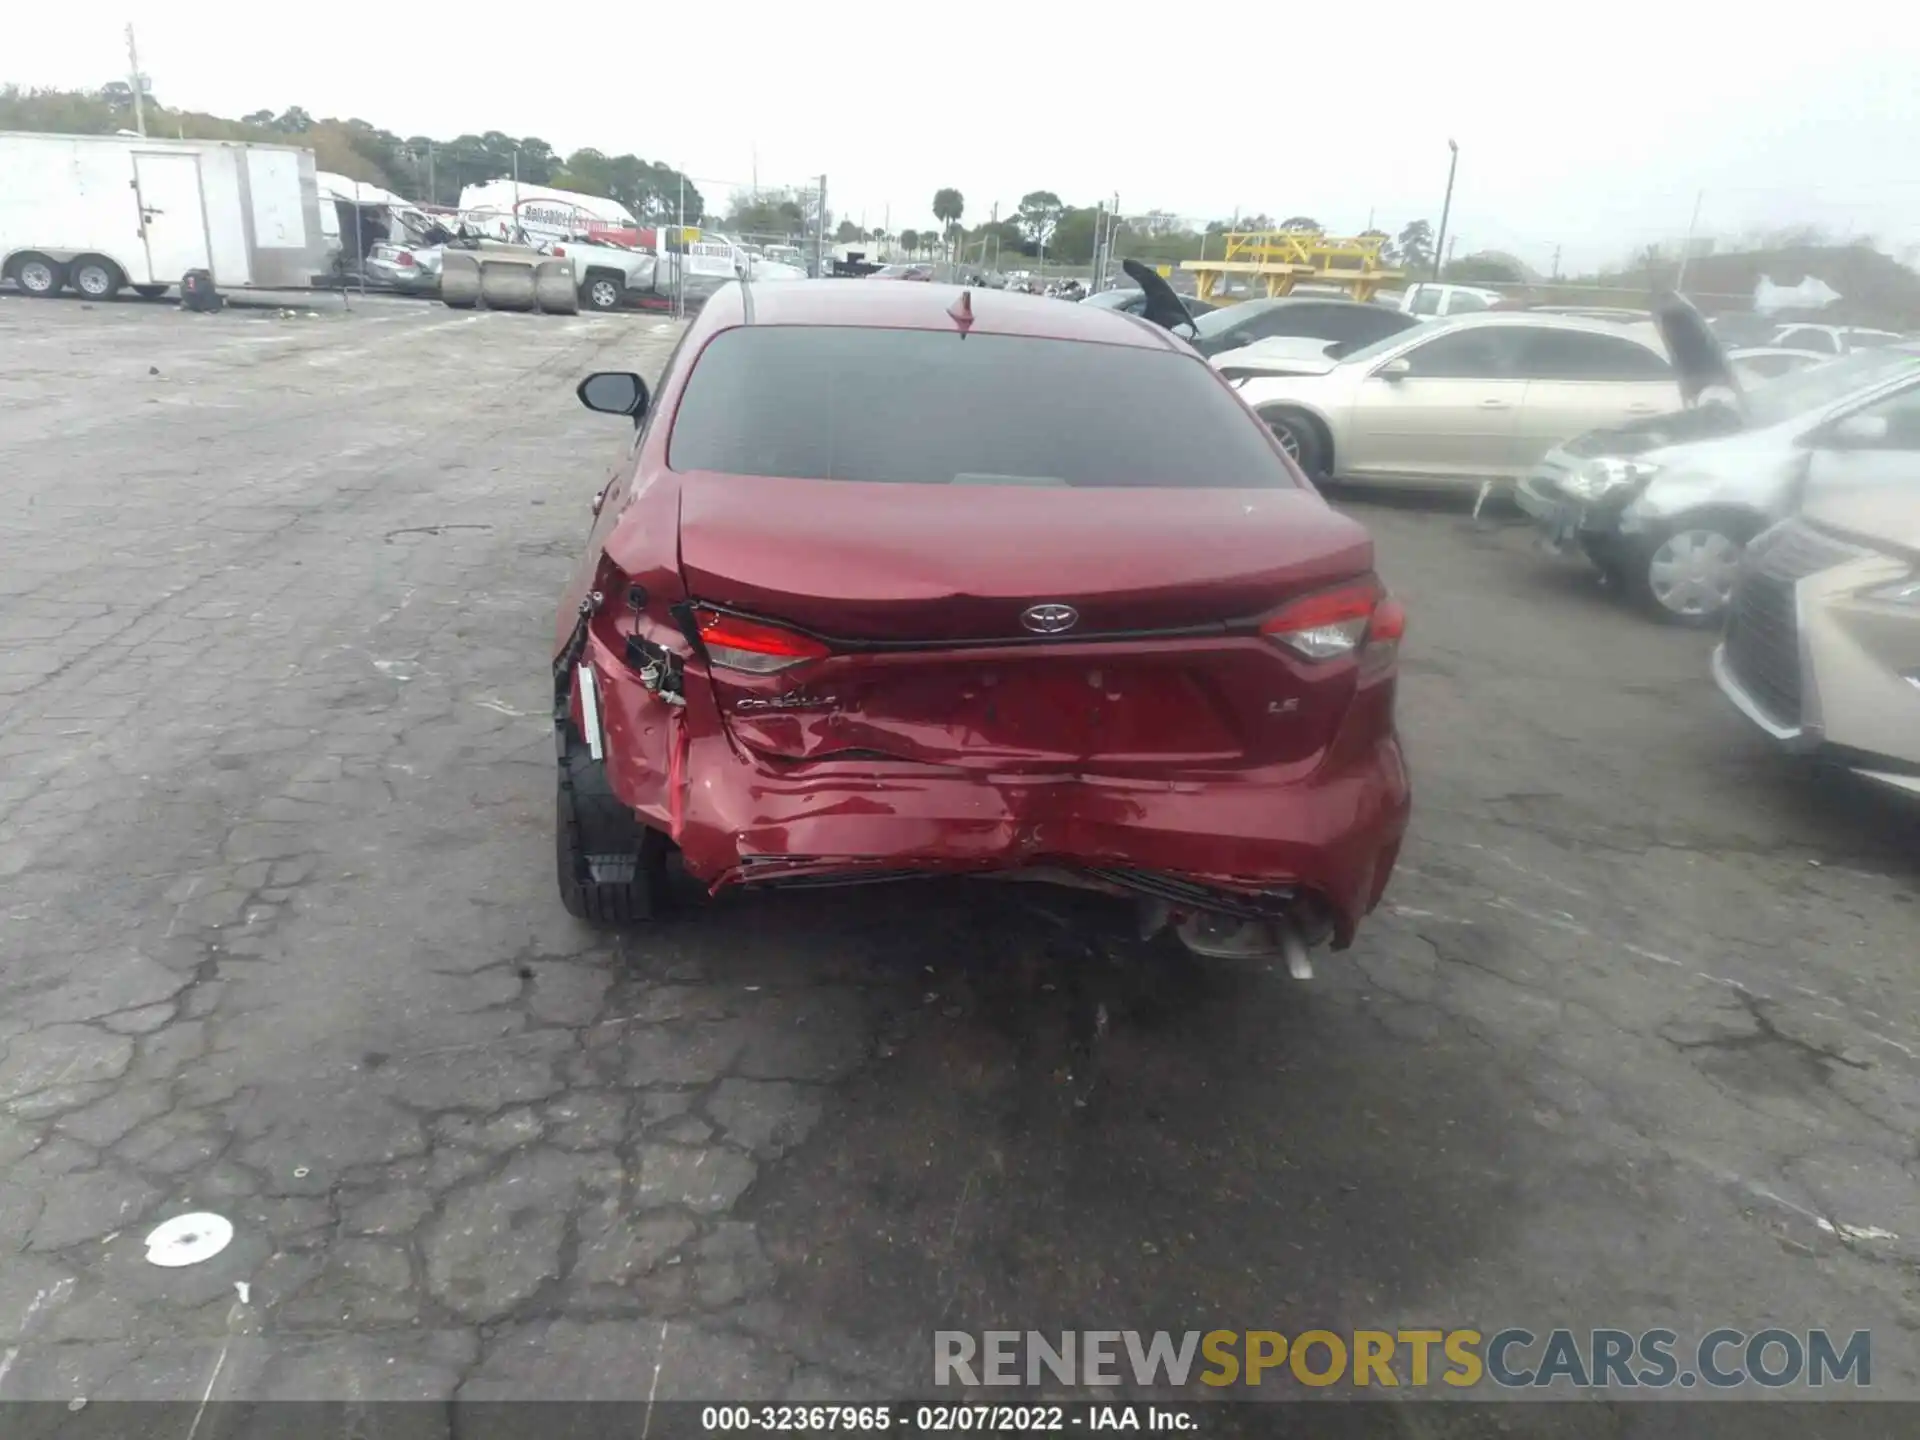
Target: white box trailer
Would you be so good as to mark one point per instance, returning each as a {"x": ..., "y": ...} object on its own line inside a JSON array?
[{"x": 99, "y": 212}]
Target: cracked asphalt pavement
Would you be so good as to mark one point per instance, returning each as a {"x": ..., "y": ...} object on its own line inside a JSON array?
[{"x": 1634, "y": 1043}]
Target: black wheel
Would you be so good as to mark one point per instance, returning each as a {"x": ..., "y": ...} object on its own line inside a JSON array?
[
  {"x": 611, "y": 868},
  {"x": 1300, "y": 437},
  {"x": 1684, "y": 574},
  {"x": 94, "y": 278},
  {"x": 37, "y": 275},
  {"x": 602, "y": 292},
  {"x": 149, "y": 292}
]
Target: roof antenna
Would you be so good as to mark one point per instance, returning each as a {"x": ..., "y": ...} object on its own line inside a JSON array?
[{"x": 962, "y": 311}]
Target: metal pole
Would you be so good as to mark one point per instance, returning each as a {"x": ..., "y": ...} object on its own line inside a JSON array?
[
  {"x": 433, "y": 195},
  {"x": 1446, "y": 208},
  {"x": 820, "y": 232},
  {"x": 1686, "y": 250},
  {"x": 139, "y": 101},
  {"x": 680, "y": 261}
]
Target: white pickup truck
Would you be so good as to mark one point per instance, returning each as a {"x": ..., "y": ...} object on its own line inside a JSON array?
[{"x": 606, "y": 273}]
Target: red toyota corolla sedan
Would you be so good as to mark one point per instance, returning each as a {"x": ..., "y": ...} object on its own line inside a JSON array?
[{"x": 905, "y": 579}]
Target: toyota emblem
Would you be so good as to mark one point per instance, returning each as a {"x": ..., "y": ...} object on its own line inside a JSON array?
[{"x": 1050, "y": 619}]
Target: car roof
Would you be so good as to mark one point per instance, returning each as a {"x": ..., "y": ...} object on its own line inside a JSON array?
[
  {"x": 925, "y": 307},
  {"x": 1533, "y": 320}
]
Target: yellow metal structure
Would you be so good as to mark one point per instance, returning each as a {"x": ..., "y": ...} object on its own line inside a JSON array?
[{"x": 1278, "y": 260}]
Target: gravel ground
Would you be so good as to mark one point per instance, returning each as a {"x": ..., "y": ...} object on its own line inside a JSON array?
[{"x": 1634, "y": 1043}]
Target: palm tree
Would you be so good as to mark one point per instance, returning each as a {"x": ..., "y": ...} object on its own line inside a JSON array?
[{"x": 948, "y": 206}]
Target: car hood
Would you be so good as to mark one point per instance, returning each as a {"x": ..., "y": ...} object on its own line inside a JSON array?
[
  {"x": 1700, "y": 362},
  {"x": 1657, "y": 432},
  {"x": 1277, "y": 355}
]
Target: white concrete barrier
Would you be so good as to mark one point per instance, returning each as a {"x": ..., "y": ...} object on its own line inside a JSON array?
[{"x": 553, "y": 287}]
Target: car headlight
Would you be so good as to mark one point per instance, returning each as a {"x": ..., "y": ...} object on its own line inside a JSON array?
[{"x": 1606, "y": 474}]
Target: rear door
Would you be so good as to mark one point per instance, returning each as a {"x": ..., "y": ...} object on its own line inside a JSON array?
[
  {"x": 1453, "y": 416},
  {"x": 1578, "y": 381},
  {"x": 173, "y": 218}
]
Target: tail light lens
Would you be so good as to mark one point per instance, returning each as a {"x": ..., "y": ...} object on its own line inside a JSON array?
[
  {"x": 754, "y": 645},
  {"x": 1348, "y": 619},
  {"x": 404, "y": 259},
  {"x": 557, "y": 250}
]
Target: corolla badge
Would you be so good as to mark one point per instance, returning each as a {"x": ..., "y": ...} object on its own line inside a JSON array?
[{"x": 1049, "y": 619}]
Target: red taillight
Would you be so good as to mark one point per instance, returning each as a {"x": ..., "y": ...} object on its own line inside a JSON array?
[
  {"x": 558, "y": 250},
  {"x": 404, "y": 259},
  {"x": 1332, "y": 623},
  {"x": 754, "y": 645}
]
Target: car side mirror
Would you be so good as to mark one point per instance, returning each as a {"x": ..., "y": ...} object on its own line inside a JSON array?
[
  {"x": 614, "y": 392},
  {"x": 1397, "y": 368},
  {"x": 1856, "y": 432}
]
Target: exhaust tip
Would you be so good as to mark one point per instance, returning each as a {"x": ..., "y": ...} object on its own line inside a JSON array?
[{"x": 1234, "y": 937}]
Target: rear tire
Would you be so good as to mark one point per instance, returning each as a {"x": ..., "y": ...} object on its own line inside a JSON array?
[
  {"x": 602, "y": 292},
  {"x": 611, "y": 868},
  {"x": 94, "y": 278},
  {"x": 38, "y": 276},
  {"x": 1300, "y": 436}
]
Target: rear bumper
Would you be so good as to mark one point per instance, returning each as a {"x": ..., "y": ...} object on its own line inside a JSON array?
[{"x": 741, "y": 819}]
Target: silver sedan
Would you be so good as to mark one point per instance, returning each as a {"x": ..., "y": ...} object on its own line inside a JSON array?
[{"x": 1458, "y": 402}]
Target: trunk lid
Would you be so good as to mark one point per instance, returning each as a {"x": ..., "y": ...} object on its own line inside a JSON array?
[{"x": 1011, "y": 628}]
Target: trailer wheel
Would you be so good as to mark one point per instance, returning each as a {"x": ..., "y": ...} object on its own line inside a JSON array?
[
  {"x": 95, "y": 278},
  {"x": 37, "y": 275},
  {"x": 149, "y": 292}
]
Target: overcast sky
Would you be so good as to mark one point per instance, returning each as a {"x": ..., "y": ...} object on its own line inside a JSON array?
[{"x": 1592, "y": 127}]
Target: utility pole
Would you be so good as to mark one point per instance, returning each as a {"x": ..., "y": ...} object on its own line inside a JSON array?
[
  {"x": 138, "y": 82},
  {"x": 820, "y": 232},
  {"x": 1446, "y": 209},
  {"x": 1686, "y": 250},
  {"x": 433, "y": 195},
  {"x": 680, "y": 262},
  {"x": 1556, "y": 262}
]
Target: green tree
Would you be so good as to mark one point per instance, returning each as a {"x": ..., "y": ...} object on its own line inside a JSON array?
[
  {"x": 1483, "y": 270},
  {"x": 1301, "y": 222},
  {"x": 1416, "y": 246},
  {"x": 910, "y": 241},
  {"x": 1038, "y": 215},
  {"x": 847, "y": 233},
  {"x": 949, "y": 205},
  {"x": 294, "y": 121},
  {"x": 1073, "y": 236}
]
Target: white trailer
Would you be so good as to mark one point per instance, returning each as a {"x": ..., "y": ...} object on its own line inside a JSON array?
[{"x": 99, "y": 212}]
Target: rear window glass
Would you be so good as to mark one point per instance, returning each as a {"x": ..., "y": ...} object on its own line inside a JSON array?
[{"x": 935, "y": 408}]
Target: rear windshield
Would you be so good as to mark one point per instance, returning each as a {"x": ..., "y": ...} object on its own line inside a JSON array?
[{"x": 935, "y": 408}]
